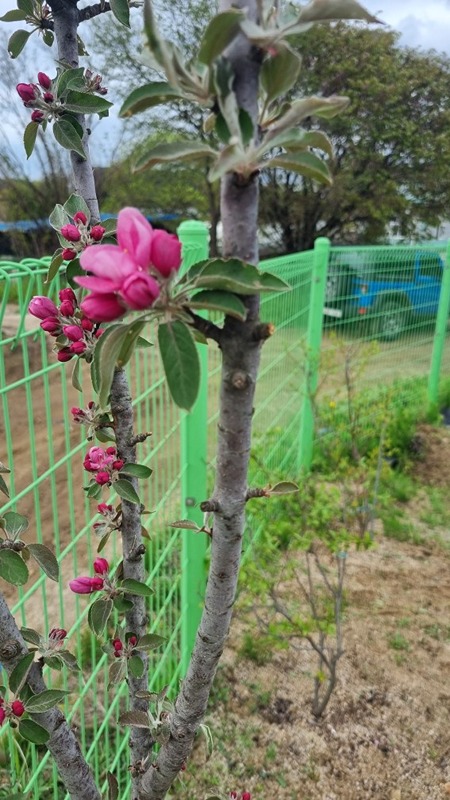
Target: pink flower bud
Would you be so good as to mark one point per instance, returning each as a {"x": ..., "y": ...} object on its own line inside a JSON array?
[
  {"x": 48, "y": 97},
  {"x": 80, "y": 216},
  {"x": 118, "y": 464},
  {"x": 67, "y": 294},
  {"x": 67, "y": 308},
  {"x": 44, "y": 80},
  {"x": 101, "y": 566},
  {"x": 91, "y": 404},
  {"x": 87, "y": 324},
  {"x": 64, "y": 354},
  {"x": 246, "y": 796},
  {"x": 18, "y": 708},
  {"x": 71, "y": 233},
  {"x": 132, "y": 641},
  {"x": 73, "y": 332},
  {"x": 85, "y": 585},
  {"x": 117, "y": 644},
  {"x": 96, "y": 233},
  {"x": 78, "y": 348},
  {"x": 102, "y": 478},
  {"x": 233, "y": 795},
  {"x": 37, "y": 116},
  {"x": 51, "y": 325},
  {"x": 139, "y": 290},
  {"x": 99, "y": 333},
  {"x": 111, "y": 451},
  {"x": 27, "y": 92},
  {"x": 103, "y": 90},
  {"x": 102, "y": 307},
  {"x": 117, "y": 654},
  {"x": 166, "y": 252},
  {"x": 68, "y": 254},
  {"x": 2, "y": 715},
  {"x": 42, "y": 307},
  {"x": 105, "y": 509},
  {"x": 57, "y": 634}
]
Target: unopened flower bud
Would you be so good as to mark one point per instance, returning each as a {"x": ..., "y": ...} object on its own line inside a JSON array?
[
  {"x": 51, "y": 325},
  {"x": 71, "y": 233},
  {"x": 102, "y": 478},
  {"x": 67, "y": 294},
  {"x": 103, "y": 90},
  {"x": 97, "y": 232},
  {"x": 99, "y": 333},
  {"x": 111, "y": 451},
  {"x": 118, "y": 464},
  {"x": 101, "y": 566},
  {"x": 48, "y": 97},
  {"x": 85, "y": 585},
  {"x": 117, "y": 644},
  {"x": 132, "y": 641},
  {"x": 80, "y": 216},
  {"x": 246, "y": 796},
  {"x": 27, "y": 92},
  {"x": 78, "y": 348},
  {"x": 18, "y": 708},
  {"x": 42, "y": 307},
  {"x": 68, "y": 254},
  {"x": 44, "y": 80},
  {"x": 91, "y": 403},
  {"x": 117, "y": 654},
  {"x": 104, "y": 509},
  {"x": 65, "y": 354},
  {"x": 2, "y": 715},
  {"x": 73, "y": 332},
  {"x": 37, "y": 116},
  {"x": 57, "y": 634},
  {"x": 67, "y": 308},
  {"x": 87, "y": 324}
]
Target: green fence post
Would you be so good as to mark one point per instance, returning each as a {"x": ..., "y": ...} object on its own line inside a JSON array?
[
  {"x": 194, "y": 237},
  {"x": 440, "y": 333},
  {"x": 314, "y": 341}
]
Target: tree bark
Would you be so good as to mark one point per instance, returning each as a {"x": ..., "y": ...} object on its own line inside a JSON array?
[{"x": 240, "y": 351}]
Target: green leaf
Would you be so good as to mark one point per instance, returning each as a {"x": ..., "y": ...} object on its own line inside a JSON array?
[
  {"x": 98, "y": 615},
  {"x": 20, "y": 673},
  {"x": 26, "y": 6},
  {"x": 246, "y": 127},
  {"x": 220, "y": 31},
  {"x": 225, "y": 302},
  {"x": 328, "y": 10},
  {"x": 76, "y": 203},
  {"x": 46, "y": 560},
  {"x": 69, "y": 660},
  {"x": 136, "y": 470},
  {"x": 131, "y": 336},
  {"x": 284, "y": 487},
  {"x": 181, "y": 362},
  {"x": 16, "y": 15},
  {"x": 113, "y": 786},
  {"x": 105, "y": 435},
  {"x": 147, "y": 96},
  {"x": 31, "y": 636},
  {"x": 131, "y": 586},
  {"x": 185, "y": 524},
  {"x": 14, "y": 524},
  {"x": 17, "y": 42},
  {"x": 45, "y": 700},
  {"x": 121, "y": 11},
  {"x": 141, "y": 342},
  {"x": 73, "y": 269},
  {"x": 117, "y": 672},
  {"x": 279, "y": 72},
  {"x": 12, "y": 568},
  {"x": 233, "y": 275},
  {"x": 125, "y": 490},
  {"x": 137, "y": 718},
  {"x": 105, "y": 358},
  {"x": 4, "y": 487},
  {"x": 32, "y": 732},
  {"x": 29, "y": 137},
  {"x": 70, "y": 79},
  {"x": 48, "y": 37},
  {"x": 84, "y": 103},
  {"x": 136, "y": 666},
  {"x": 58, "y": 217},
  {"x": 300, "y": 110},
  {"x": 55, "y": 264},
  {"x": 174, "y": 151},
  {"x": 151, "y": 641},
  {"x": 76, "y": 375},
  {"x": 67, "y": 136},
  {"x": 122, "y": 605},
  {"x": 110, "y": 226},
  {"x": 94, "y": 490},
  {"x": 306, "y": 164}
]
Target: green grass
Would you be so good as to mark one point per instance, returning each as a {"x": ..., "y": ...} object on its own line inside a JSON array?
[{"x": 398, "y": 642}]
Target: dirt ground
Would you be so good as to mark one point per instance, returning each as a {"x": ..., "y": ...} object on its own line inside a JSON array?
[{"x": 386, "y": 732}]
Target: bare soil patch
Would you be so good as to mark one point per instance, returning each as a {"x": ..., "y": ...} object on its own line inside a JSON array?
[{"x": 433, "y": 466}]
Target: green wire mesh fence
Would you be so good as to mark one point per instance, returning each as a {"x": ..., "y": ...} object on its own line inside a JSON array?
[{"x": 386, "y": 308}]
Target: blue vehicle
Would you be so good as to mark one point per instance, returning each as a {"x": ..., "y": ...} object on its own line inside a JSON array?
[{"x": 392, "y": 288}]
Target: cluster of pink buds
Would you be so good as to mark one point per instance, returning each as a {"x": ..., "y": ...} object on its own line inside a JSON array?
[
  {"x": 10, "y": 710},
  {"x": 243, "y": 796},
  {"x": 39, "y": 97},
  {"x": 80, "y": 235},
  {"x": 131, "y": 275},
  {"x": 87, "y": 585},
  {"x": 94, "y": 82},
  {"x": 122, "y": 650},
  {"x": 94, "y": 418},
  {"x": 111, "y": 520},
  {"x": 75, "y": 333},
  {"x": 104, "y": 463}
]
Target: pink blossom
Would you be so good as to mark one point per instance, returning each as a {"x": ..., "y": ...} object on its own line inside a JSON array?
[
  {"x": 27, "y": 92},
  {"x": 51, "y": 325},
  {"x": 97, "y": 232},
  {"x": 97, "y": 458},
  {"x": 101, "y": 566},
  {"x": 73, "y": 332},
  {"x": 80, "y": 216},
  {"x": 37, "y": 116},
  {"x": 102, "y": 307},
  {"x": 65, "y": 354},
  {"x": 44, "y": 80},
  {"x": 134, "y": 236},
  {"x": 68, "y": 254},
  {"x": 166, "y": 253},
  {"x": 71, "y": 233},
  {"x": 86, "y": 585},
  {"x": 42, "y": 307},
  {"x": 139, "y": 291}
]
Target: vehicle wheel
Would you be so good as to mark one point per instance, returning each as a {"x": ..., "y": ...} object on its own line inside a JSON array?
[{"x": 391, "y": 320}]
